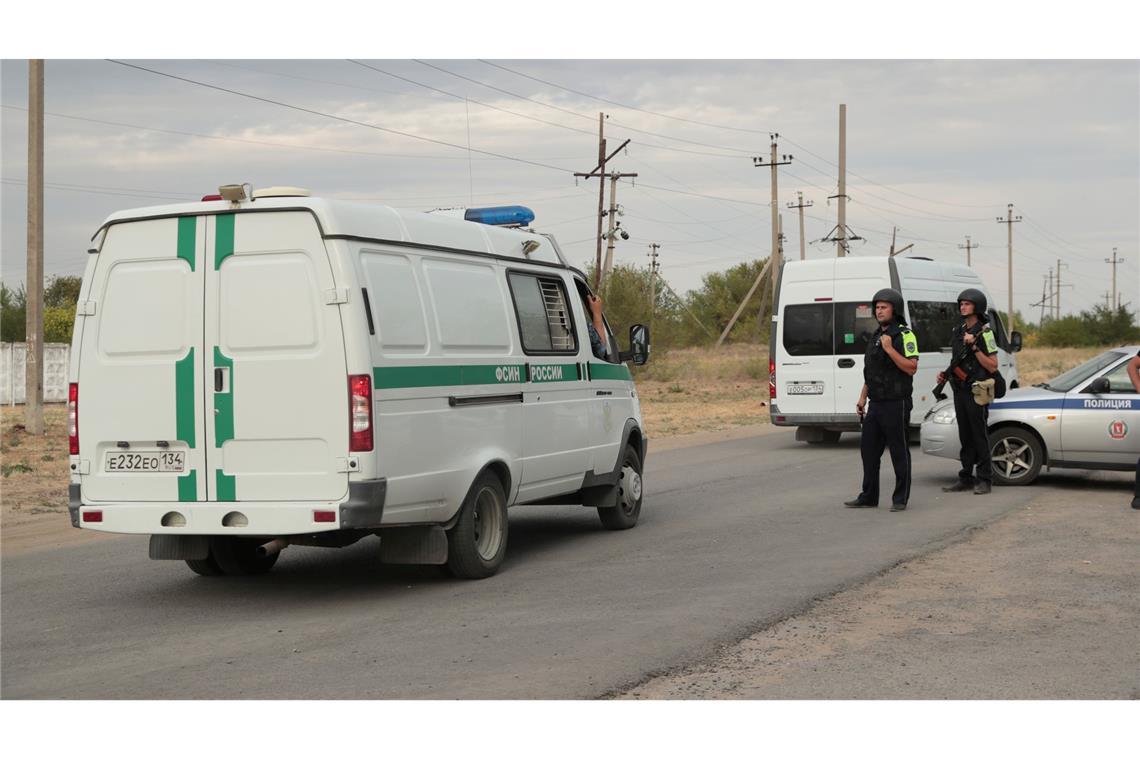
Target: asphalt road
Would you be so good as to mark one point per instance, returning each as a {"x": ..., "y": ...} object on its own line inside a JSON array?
[{"x": 733, "y": 536}]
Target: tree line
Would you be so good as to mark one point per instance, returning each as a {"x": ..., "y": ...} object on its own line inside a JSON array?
[{"x": 694, "y": 318}]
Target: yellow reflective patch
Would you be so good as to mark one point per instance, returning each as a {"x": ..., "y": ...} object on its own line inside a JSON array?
[
  {"x": 910, "y": 344},
  {"x": 991, "y": 344}
]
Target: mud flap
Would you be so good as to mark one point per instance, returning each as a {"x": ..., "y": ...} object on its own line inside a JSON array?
[
  {"x": 179, "y": 547},
  {"x": 414, "y": 545}
]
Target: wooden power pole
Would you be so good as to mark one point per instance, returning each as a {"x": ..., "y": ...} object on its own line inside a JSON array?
[
  {"x": 967, "y": 248},
  {"x": 1114, "y": 261},
  {"x": 799, "y": 204},
  {"x": 773, "y": 162},
  {"x": 1009, "y": 221},
  {"x": 34, "y": 363}
]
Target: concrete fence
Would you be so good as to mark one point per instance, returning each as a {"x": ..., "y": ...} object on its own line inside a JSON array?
[{"x": 13, "y": 374}]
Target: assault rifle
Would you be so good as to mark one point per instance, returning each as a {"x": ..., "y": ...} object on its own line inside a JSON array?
[{"x": 955, "y": 367}]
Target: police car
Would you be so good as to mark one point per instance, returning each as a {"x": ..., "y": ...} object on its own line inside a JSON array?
[{"x": 1087, "y": 418}]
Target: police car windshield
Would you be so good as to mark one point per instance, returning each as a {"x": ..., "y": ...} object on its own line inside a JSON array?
[{"x": 1077, "y": 375}]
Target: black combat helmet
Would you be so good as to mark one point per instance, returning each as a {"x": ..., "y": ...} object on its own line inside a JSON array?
[
  {"x": 976, "y": 297},
  {"x": 894, "y": 298}
]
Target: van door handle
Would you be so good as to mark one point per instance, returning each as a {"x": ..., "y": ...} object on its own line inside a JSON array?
[
  {"x": 603, "y": 393},
  {"x": 221, "y": 376},
  {"x": 846, "y": 363}
]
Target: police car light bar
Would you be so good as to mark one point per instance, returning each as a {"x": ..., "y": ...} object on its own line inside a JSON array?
[{"x": 500, "y": 216}]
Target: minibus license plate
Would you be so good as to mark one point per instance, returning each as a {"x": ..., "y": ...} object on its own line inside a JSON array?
[
  {"x": 146, "y": 461},
  {"x": 805, "y": 389}
]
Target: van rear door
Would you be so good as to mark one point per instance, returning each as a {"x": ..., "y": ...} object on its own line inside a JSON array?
[
  {"x": 141, "y": 427},
  {"x": 277, "y": 427},
  {"x": 805, "y": 364}
]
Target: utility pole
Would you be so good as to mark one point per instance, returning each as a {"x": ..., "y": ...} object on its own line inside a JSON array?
[
  {"x": 653, "y": 267},
  {"x": 1041, "y": 320},
  {"x": 614, "y": 227},
  {"x": 599, "y": 171},
  {"x": 967, "y": 247},
  {"x": 34, "y": 361},
  {"x": 905, "y": 248},
  {"x": 763, "y": 271},
  {"x": 1057, "y": 295},
  {"x": 1009, "y": 221},
  {"x": 773, "y": 163},
  {"x": 840, "y": 234},
  {"x": 801, "y": 206},
  {"x": 1107, "y": 300},
  {"x": 1114, "y": 261}
]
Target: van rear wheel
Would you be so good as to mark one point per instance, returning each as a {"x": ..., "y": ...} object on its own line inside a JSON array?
[
  {"x": 478, "y": 542},
  {"x": 236, "y": 555},
  {"x": 207, "y": 566},
  {"x": 624, "y": 515}
]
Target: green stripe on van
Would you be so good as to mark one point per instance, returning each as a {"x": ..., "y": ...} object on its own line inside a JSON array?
[
  {"x": 184, "y": 399},
  {"x": 553, "y": 373},
  {"x": 187, "y": 226},
  {"x": 449, "y": 374},
  {"x": 223, "y": 238},
  {"x": 188, "y": 486},
  {"x": 226, "y": 489},
  {"x": 609, "y": 372},
  {"x": 224, "y": 403}
]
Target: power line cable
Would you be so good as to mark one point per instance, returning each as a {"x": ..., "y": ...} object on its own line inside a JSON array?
[{"x": 344, "y": 119}]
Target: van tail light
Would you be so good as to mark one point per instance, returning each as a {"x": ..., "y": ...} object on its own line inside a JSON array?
[
  {"x": 73, "y": 417},
  {"x": 360, "y": 412},
  {"x": 772, "y": 379}
]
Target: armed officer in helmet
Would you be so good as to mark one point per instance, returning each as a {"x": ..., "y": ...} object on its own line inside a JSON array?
[
  {"x": 974, "y": 340},
  {"x": 888, "y": 380}
]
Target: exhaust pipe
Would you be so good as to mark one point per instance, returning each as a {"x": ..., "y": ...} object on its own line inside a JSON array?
[{"x": 273, "y": 547}]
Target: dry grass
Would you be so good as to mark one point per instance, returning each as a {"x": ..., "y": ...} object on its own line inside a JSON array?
[{"x": 1036, "y": 365}]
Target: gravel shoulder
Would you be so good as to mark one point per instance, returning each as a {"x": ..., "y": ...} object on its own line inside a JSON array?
[{"x": 1042, "y": 603}]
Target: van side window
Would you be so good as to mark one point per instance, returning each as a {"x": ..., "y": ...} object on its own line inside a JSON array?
[
  {"x": 933, "y": 323},
  {"x": 808, "y": 329},
  {"x": 543, "y": 312},
  {"x": 855, "y": 323},
  {"x": 999, "y": 330}
]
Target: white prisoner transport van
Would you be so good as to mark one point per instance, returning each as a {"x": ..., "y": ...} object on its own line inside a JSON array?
[
  {"x": 822, "y": 321},
  {"x": 253, "y": 372}
]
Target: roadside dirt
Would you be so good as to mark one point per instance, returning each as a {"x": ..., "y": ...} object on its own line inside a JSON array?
[
  {"x": 1040, "y": 604},
  {"x": 33, "y": 486}
]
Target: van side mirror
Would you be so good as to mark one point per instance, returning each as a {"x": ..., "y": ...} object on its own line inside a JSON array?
[
  {"x": 638, "y": 351},
  {"x": 1015, "y": 341},
  {"x": 1100, "y": 385}
]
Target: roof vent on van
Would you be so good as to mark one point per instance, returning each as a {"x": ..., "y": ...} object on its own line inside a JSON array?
[{"x": 280, "y": 192}]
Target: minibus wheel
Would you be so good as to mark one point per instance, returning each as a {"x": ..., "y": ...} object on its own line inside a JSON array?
[
  {"x": 477, "y": 543},
  {"x": 624, "y": 515},
  {"x": 237, "y": 555},
  {"x": 207, "y": 566}
]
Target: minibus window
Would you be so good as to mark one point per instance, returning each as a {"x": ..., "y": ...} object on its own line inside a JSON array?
[
  {"x": 855, "y": 323},
  {"x": 807, "y": 329},
  {"x": 933, "y": 323}
]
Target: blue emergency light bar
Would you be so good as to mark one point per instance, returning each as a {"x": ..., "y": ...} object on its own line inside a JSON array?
[{"x": 500, "y": 216}]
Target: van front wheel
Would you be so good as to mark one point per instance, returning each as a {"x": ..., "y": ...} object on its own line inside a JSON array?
[
  {"x": 478, "y": 542},
  {"x": 624, "y": 515}
]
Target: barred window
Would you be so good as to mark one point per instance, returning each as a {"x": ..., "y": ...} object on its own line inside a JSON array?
[{"x": 545, "y": 323}]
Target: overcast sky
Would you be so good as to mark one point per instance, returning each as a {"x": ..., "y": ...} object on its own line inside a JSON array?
[{"x": 936, "y": 148}]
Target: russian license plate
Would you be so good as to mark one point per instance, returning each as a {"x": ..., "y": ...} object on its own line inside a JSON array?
[
  {"x": 805, "y": 389},
  {"x": 146, "y": 461}
]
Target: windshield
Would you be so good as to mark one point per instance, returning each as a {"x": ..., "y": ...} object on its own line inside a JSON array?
[{"x": 1074, "y": 377}]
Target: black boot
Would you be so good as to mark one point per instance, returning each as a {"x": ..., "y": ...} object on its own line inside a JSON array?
[
  {"x": 961, "y": 485},
  {"x": 859, "y": 502},
  {"x": 983, "y": 487}
]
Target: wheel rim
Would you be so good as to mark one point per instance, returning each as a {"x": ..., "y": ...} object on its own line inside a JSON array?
[
  {"x": 488, "y": 524},
  {"x": 1012, "y": 457},
  {"x": 630, "y": 488}
]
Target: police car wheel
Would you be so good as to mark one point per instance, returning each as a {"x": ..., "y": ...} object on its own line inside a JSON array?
[
  {"x": 236, "y": 555},
  {"x": 477, "y": 543},
  {"x": 624, "y": 516},
  {"x": 1017, "y": 456},
  {"x": 207, "y": 566}
]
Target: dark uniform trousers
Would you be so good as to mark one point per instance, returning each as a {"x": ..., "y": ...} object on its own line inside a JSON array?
[
  {"x": 886, "y": 425},
  {"x": 973, "y": 420}
]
